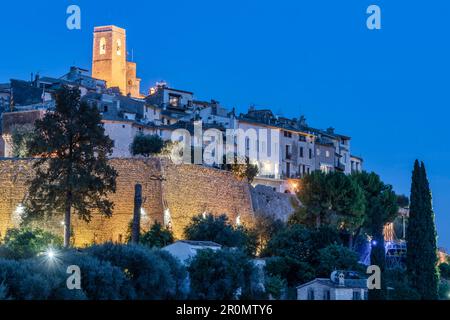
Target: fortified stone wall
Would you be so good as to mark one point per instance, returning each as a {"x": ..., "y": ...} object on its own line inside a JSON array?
[
  {"x": 192, "y": 190},
  {"x": 185, "y": 191}
]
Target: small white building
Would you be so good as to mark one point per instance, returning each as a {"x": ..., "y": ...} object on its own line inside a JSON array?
[
  {"x": 184, "y": 250},
  {"x": 335, "y": 288}
]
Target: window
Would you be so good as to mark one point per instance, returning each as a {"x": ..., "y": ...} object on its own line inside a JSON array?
[
  {"x": 302, "y": 138},
  {"x": 288, "y": 134},
  {"x": 102, "y": 46},
  {"x": 174, "y": 100},
  {"x": 318, "y": 152},
  {"x": 105, "y": 108},
  {"x": 327, "y": 154},
  {"x": 119, "y": 47},
  {"x": 288, "y": 169},
  {"x": 310, "y": 153},
  {"x": 288, "y": 152},
  {"x": 311, "y": 294},
  {"x": 326, "y": 295},
  {"x": 301, "y": 152}
]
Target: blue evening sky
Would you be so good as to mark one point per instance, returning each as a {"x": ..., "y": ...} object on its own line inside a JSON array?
[{"x": 388, "y": 89}]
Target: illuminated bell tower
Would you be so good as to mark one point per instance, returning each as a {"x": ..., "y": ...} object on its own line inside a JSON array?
[{"x": 109, "y": 59}]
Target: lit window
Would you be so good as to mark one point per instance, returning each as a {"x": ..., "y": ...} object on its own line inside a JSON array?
[
  {"x": 327, "y": 154},
  {"x": 119, "y": 47},
  {"x": 102, "y": 46},
  {"x": 318, "y": 152},
  {"x": 174, "y": 100}
]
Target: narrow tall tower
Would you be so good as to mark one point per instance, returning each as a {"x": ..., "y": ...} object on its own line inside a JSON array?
[{"x": 109, "y": 59}]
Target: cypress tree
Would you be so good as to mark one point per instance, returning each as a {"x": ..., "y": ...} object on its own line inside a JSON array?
[{"x": 421, "y": 260}]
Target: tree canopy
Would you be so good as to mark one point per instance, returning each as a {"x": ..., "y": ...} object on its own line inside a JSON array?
[
  {"x": 220, "y": 230},
  {"x": 146, "y": 145},
  {"x": 220, "y": 275},
  {"x": 72, "y": 169}
]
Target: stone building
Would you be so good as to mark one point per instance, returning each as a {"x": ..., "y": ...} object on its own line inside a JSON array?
[{"x": 109, "y": 61}]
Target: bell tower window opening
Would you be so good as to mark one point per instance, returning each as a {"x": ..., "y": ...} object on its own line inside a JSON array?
[
  {"x": 119, "y": 47},
  {"x": 102, "y": 46}
]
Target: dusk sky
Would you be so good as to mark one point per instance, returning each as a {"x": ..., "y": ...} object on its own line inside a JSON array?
[{"x": 388, "y": 89}]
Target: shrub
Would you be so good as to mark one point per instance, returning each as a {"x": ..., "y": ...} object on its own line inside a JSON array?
[
  {"x": 219, "y": 230},
  {"x": 100, "y": 280},
  {"x": 26, "y": 243},
  {"x": 157, "y": 237},
  {"x": 146, "y": 145},
  {"x": 220, "y": 275},
  {"x": 399, "y": 289},
  {"x": 22, "y": 282},
  {"x": 337, "y": 257},
  {"x": 144, "y": 269},
  {"x": 275, "y": 286}
]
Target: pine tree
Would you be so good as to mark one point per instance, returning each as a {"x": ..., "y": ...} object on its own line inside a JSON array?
[
  {"x": 381, "y": 208},
  {"x": 421, "y": 261},
  {"x": 72, "y": 171}
]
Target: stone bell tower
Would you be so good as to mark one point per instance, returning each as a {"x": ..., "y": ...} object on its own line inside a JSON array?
[{"x": 109, "y": 60}]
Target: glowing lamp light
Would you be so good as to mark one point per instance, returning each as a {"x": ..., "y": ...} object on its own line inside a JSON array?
[
  {"x": 238, "y": 221},
  {"x": 50, "y": 254},
  {"x": 374, "y": 242}
]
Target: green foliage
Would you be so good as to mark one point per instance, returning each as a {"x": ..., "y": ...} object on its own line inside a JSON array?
[
  {"x": 421, "y": 258},
  {"x": 293, "y": 251},
  {"x": 72, "y": 171},
  {"x": 402, "y": 201},
  {"x": 337, "y": 257},
  {"x": 444, "y": 270},
  {"x": 26, "y": 243},
  {"x": 146, "y": 145},
  {"x": 265, "y": 228},
  {"x": 398, "y": 287},
  {"x": 21, "y": 139},
  {"x": 293, "y": 270},
  {"x": 242, "y": 169},
  {"x": 332, "y": 199},
  {"x": 108, "y": 272},
  {"x": 381, "y": 208},
  {"x": 151, "y": 274},
  {"x": 444, "y": 290},
  {"x": 100, "y": 280},
  {"x": 219, "y": 230},
  {"x": 3, "y": 292},
  {"x": 33, "y": 279},
  {"x": 157, "y": 237},
  {"x": 217, "y": 275},
  {"x": 275, "y": 286}
]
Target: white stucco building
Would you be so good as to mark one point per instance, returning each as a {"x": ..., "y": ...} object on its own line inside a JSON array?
[{"x": 335, "y": 288}]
